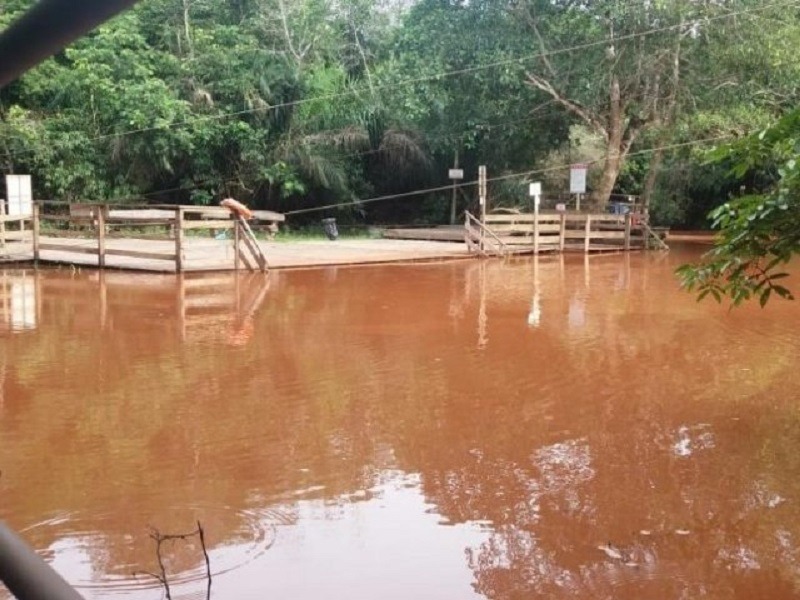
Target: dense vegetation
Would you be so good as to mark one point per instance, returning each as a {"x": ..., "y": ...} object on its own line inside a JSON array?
[{"x": 299, "y": 104}]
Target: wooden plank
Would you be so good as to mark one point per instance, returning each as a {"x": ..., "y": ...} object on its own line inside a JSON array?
[
  {"x": 562, "y": 232},
  {"x": 607, "y": 235},
  {"x": 17, "y": 236},
  {"x": 595, "y": 218},
  {"x": 573, "y": 234},
  {"x": 254, "y": 249},
  {"x": 250, "y": 237},
  {"x": 208, "y": 224},
  {"x": 13, "y": 219},
  {"x": 522, "y": 218},
  {"x": 140, "y": 254},
  {"x": 268, "y": 215},
  {"x": 244, "y": 259},
  {"x": 67, "y": 248},
  {"x": 526, "y": 228},
  {"x": 57, "y": 218},
  {"x": 124, "y": 222},
  {"x": 444, "y": 234}
]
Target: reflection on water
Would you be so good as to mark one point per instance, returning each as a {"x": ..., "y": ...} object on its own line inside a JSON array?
[
  {"x": 19, "y": 308},
  {"x": 566, "y": 427}
]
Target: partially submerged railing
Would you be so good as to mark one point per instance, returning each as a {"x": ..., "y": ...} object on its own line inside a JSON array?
[
  {"x": 480, "y": 239},
  {"x": 62, "y": 232},
  {"x": 525, "y": 232},
  {"x": 516, "y": 232}
]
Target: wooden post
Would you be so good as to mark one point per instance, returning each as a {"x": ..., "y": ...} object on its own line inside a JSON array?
[
  {"x": 179, "y": 240},
  {"x": 35, "y": 218},
  {"x": 562, "y": 240},
  {"x": 236, "y": 233},
  {"x": 535, "y": 226},
  {"x": 587, "y": 233},
  {"x": 482, "y": 199},
  {"x": 628, "y": 231},
  {"x": 453, "y": 200},
  {"x": 3, "y": 225},
  {"x": 101, "y": 237}
]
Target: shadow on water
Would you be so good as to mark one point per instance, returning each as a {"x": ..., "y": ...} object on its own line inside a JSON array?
[{"x": 565, "y": 427}]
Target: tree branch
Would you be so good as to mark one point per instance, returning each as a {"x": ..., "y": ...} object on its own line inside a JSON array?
[{"x": 572, "y": 106}]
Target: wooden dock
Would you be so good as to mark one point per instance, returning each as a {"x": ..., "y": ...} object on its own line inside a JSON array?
[
  {"x": 204, "y": 254},
  {"x": 180, "y": 239}
]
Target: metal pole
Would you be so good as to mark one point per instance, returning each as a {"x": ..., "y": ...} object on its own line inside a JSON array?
[
  {"x": 453, "y": 205},
  {"x": 26, "y": 575}
]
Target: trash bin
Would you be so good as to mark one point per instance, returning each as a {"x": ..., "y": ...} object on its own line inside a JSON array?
[
  {"x": 619, "y": 208},
  {"x": 329, "y": 225}
]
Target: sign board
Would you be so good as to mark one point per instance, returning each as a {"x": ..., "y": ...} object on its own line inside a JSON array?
[
  {"x": 577, "y": 178},
  {"x": 455, "y": 174},
  {"x": 20, "y": 195},
  {"x": 535, "y": 189}
]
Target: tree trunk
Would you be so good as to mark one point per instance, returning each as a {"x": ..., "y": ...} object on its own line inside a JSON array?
[
  {"x": 611, "y": 167},
  {"x": 614, "y": 153},
  {"x": 187, "y": 27},
  {"x": 650, "y": 181}
]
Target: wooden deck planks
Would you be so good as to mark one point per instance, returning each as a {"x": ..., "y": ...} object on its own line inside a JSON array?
[{"x": 218, "y": 255}]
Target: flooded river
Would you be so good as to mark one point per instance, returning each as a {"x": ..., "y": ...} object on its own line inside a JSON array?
[{"x": 560, "y": 428}]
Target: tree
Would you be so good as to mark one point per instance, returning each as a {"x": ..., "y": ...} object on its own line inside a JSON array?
[{"x": 759, "y": 232}]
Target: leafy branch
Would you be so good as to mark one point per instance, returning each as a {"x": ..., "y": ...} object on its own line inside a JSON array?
[{"x": 760, "y": 232}]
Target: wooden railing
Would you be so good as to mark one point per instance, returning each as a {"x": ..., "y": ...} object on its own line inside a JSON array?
[
  {"x": 98, "y": 230},
  {"x": 516, "y": 232},
  {"x": 526, "y": 231},
  {"x": 15, "y": 231},
  {"x": 482, "y": 240}
]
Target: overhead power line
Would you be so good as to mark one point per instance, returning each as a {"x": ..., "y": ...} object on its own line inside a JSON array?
[{"x": 505, "y": 177}]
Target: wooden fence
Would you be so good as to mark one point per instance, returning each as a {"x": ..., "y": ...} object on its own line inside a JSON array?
[
  {"x": 153, "y": 233},
  {"x": 557, "y": 232}
]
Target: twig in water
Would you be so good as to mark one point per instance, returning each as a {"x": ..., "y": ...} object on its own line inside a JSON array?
[{"x": 162, "y": 577}]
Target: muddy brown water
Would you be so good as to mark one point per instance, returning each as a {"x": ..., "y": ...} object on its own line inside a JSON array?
[{"x": 560, "y": 428}]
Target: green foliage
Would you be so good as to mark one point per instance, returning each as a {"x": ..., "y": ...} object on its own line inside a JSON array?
[
  {"x": 296, "y": 104},
  {"x": 759, "y": 232}
]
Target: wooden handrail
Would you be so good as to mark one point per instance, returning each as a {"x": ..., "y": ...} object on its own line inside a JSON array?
[{"x": 484, "y": 229}]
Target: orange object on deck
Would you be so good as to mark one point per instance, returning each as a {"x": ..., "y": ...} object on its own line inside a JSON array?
[{"x": 237, "y": 208}]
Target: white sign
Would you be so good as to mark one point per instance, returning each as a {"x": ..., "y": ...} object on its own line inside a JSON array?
[
  {"x": 577, "y": 179},
  {"x": 535, "y": 189},
  {"x": 20, "y": 195},
  {"x": 455, "y": 174}
]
